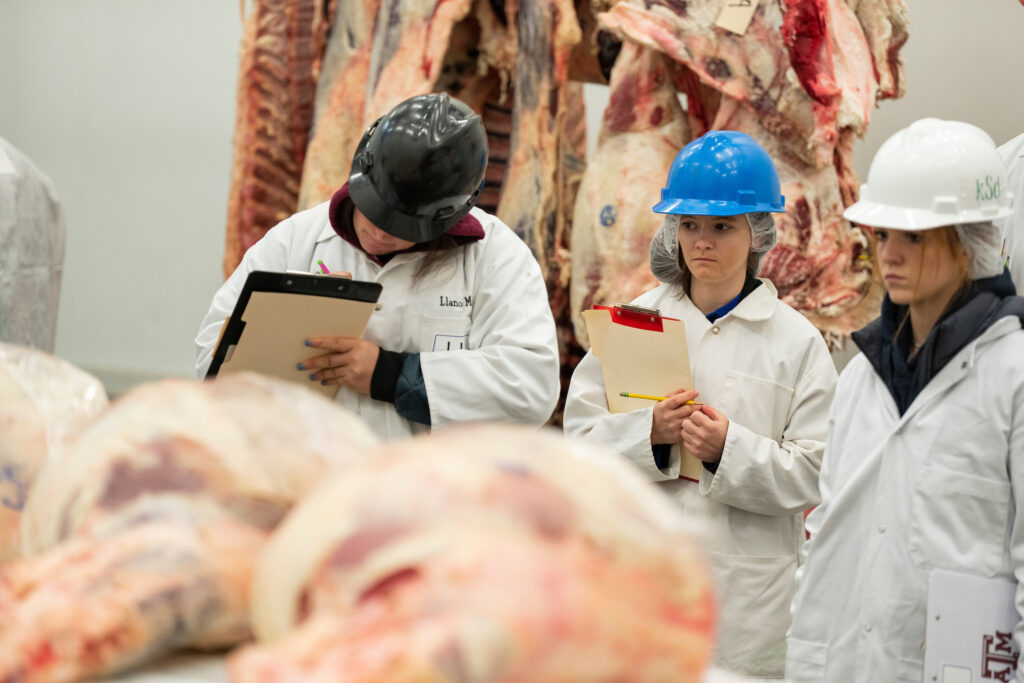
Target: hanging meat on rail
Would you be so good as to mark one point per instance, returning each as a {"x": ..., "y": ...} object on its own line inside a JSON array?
[
  {"x": 43, "y": 401},
  {"x": 282, "y": 46},
  {"x": 821, "y": 264},
  {"x": 144, "y": 532},
  {"x": 643, "y": 129},
  {"x": 484, "y": 553},
  {"x": 803, "y": 66}
]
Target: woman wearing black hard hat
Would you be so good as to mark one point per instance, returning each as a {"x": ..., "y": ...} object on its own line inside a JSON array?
[{"x": 465, "y": 330}]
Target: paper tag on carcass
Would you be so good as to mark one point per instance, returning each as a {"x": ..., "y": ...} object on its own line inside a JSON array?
[{"x": 736, "y": 15}]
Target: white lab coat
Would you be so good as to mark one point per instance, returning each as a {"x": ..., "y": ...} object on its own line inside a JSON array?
[
  {"x": 933, "y": 489},
  {"x": 1013, "y": 227},
  {"x": 767, "y": 369},
  {"x": 480, "y": 321}
]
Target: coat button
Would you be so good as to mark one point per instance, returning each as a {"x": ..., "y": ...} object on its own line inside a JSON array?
[
  {"x": 867, "y": 628},
  {"x": 881, "y": 528},
  {"x": 715, "y": 330}
]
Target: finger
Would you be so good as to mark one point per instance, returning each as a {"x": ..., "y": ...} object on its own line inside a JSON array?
[
  {"x": 341, "y": 344},
  {"x": 690, "y": 429},
  {"x": 341, "y": 273},
  {"x": 680, "y": 397},
  {"x": 700, "y": 419},
  {"x": 711, "y": 412},
  {"x": 327, "y": 360}
]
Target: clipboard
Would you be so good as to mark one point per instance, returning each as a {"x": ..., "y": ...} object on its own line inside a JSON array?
[
  {"x": 277, "y": 312},
  {"x": 969, "y": 629},
  {"x": 641, "y": 352}
]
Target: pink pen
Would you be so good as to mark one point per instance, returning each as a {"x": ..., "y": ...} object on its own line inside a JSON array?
[{"x": 323, "y": 267}]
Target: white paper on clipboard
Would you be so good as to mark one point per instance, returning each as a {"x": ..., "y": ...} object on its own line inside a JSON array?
[{"x": 969, "y": 629}]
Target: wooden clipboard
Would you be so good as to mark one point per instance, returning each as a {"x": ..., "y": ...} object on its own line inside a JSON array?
[
  {"x": 277, "y": 312},
  {"x": 641, "y": 352}
]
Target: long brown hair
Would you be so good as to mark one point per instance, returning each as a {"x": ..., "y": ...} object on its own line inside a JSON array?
[{"x": 951, "y": 242}]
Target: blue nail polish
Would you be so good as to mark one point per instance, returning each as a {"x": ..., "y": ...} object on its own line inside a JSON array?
[
  {"x": 312, "y": 378},
  {"x": 309, "y": 343},
  {"x": 302, "y": 366},
  {"x": 324, "y": 382}
]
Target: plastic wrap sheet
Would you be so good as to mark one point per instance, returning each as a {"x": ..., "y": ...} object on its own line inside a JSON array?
[
  {"x": 31, "y": 252},
  {"x": 43, "y": 401}
]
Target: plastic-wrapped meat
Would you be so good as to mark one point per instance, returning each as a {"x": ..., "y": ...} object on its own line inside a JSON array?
[
  {"x": 31, "y": 252},
  {"x": 803, "y": 66},
  {"x": 482, "y": 554},
  {"x": 147, "y": 528},
  {"x": 643, "y": 129},
  {"x": 821, "y": 264},
  {"x": 282, "y": 45},
  {"x": 43, "y": 401}
]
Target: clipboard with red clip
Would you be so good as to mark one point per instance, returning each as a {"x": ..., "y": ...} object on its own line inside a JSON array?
[{"x": 641, "y": 352}]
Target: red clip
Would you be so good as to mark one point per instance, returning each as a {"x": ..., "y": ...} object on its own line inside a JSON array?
[{"x": 636, "y": 318}]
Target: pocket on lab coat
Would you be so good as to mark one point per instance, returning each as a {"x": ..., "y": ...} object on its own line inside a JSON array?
[
  {"x": 448, "y": 333},
  {"x": 760, "y": 405},
  {"x": 958, "y": 521},
  {"x": 754, "y": 593},
  {"x": 805, "y": 661}
]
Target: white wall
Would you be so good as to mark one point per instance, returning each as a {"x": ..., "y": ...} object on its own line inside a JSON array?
[{"x": 128, "y": 105}]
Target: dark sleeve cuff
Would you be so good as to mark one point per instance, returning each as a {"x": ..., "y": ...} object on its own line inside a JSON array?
[
  {"x": 662, "y": 455},
  {"x": 384, "y": 380},
  {"x": 711, "y": 467}
]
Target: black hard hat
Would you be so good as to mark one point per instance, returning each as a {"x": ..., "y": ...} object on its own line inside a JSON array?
[{"x": 420, "y": 168}]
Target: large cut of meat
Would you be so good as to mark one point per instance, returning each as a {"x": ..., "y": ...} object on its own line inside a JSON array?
[
  {"x": 644, "y": 127},
  {"x": 147, "y": 528},
  {"x": 885, "y": 25},
  {"x": 481, "y": 554},
  {"x": 821, "y": 264},
  {"x": 804, "y": 66},
  {"x": 546, "y": 32},
  {"x": 43, "y": 401},
  {"x": 282, "y": 46},
  {"x": 380, "y": 53}
]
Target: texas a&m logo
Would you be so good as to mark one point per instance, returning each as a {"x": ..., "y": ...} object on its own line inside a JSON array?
[{"x": 998, "y": 657}]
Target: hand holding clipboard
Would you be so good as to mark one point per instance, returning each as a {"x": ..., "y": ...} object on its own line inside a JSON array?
[
  {"x": 641, "y": 351},
  {"x": 277, "y": 312}
]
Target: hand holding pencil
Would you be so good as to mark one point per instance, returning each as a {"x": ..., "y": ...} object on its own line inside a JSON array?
[{"x": 670, "y": 413}]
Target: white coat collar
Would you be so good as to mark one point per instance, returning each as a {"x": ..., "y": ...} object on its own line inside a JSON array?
[{"x": 759, "y": 304}]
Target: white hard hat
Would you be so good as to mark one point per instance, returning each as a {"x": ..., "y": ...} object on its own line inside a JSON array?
[{"x": 934, "y": 173}]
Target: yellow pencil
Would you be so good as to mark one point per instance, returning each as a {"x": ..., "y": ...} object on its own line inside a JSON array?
[{"x": 655, "y": 398}]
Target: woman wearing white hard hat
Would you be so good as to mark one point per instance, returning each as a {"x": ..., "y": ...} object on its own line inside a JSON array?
[
  {"x": 924, "y": 462},
  {"x": 763, "y": 374}
]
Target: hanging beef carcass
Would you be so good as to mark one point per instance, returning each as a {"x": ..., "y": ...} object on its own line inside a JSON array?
[
  {"x": 43, "y": 401},
  {"x": 885, "y": 25},
  {"x": 488, "y": 554},
  {"x": 145, "y": 531},
  {"x": 803, "y": 66},
  {"x": 821, "y": 264},
  {"x": 282, "y": 45},
  {"x": 643, "y": 129}
]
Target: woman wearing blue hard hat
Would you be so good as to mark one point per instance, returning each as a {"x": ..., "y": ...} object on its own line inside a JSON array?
[{"x": 764, "y": 378}]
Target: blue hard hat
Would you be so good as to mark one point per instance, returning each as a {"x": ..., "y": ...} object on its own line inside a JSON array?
[{"x": 722, "y": 173}]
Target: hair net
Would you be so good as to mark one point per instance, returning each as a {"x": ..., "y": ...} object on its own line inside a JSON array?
[
  {"x": 667, "y": 266},
  {"x": 984, "y": 245}
]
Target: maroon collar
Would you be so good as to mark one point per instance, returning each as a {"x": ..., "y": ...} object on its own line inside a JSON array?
[{"x": 465, "y": 231}]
